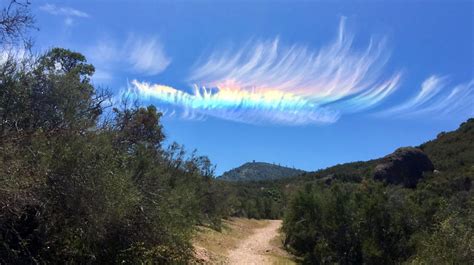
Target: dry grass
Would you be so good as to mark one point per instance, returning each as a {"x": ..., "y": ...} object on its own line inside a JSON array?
[{"x": 279, "y": 255}]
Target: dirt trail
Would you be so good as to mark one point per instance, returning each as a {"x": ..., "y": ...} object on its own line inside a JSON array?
[{"x": 253, "y": 249}]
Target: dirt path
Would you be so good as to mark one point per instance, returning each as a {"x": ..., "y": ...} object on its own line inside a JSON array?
[{"x": 252, "y": 250}]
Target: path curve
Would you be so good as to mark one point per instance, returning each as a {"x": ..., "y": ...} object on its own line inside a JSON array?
[{"x": 252, "y": 250}]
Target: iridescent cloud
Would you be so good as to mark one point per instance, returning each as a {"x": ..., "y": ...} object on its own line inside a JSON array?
[
  {"x": 269, "y": 82},
  {"x": 266, "y": 106}
]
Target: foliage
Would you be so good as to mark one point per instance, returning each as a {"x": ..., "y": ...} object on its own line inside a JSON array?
[
  {"x": 81, "y": 188},
  {"x": 454, "y": 150},
  {"x": 259, "y": 200},
  {"x": 348, "y": 223},
  {"x": 343, "y": 221}
]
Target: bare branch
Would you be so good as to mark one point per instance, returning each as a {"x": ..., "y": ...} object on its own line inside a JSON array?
[{"x": 15, "y": 20}]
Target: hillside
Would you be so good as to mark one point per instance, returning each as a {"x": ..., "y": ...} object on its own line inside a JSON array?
[
  {"x": 256, "y": 171},
  {"x": 452, "y": 151},
  {"x": 452, "y": 154},
  {"x": 382, "y": 221}
]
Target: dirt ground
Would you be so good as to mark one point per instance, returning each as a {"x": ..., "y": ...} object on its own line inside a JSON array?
[{"x": 242, "y": 241}]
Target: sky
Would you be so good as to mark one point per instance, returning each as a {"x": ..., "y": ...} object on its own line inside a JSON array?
[{"x": 308, "y": 84}]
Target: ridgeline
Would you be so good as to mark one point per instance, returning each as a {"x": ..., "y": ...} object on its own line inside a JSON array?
[{"x": 256, "y": 171}]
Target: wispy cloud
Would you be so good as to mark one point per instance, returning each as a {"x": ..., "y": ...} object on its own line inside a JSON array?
[
  {"x": 438, "y": 98},
  {"x": 63, "y": 11},
  {"x": 270, "y": 82},
  {"x": 146, "y": 56},
  {"x": 68, "y": 13},
  {"x": 138, "y": 55}
]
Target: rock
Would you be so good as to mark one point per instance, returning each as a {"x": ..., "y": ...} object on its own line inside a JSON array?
[
  {"x": 404, "y": 166},
  {"x": 328, "y": 179},
  {"x": 201, "y": 255}
]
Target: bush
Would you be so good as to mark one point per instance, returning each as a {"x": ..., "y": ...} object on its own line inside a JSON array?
[
  {"x": 88, "y": 190},
  {"x": 349, "y": 223}
]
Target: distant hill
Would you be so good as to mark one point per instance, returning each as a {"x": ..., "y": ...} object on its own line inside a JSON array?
[
  {"x": 450, "y": 151},
  {"x": 253, "y": 171}
]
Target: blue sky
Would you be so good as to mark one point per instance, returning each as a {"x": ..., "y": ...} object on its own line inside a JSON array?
[{"x": 306, "y": 84}]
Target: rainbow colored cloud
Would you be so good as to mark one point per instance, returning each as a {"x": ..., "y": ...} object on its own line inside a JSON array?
[
  {"x": 267, "y": 82},
  {"x": 264, "y": 106}
]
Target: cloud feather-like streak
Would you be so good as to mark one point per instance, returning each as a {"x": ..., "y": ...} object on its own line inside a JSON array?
[
  {"x": 436, "y": 97},
  {"x": 269, "y": 82},
  {"x": 267, "y": 107}
]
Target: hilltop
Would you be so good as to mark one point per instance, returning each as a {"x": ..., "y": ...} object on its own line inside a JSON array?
[{"x": 255, "y": 171}]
